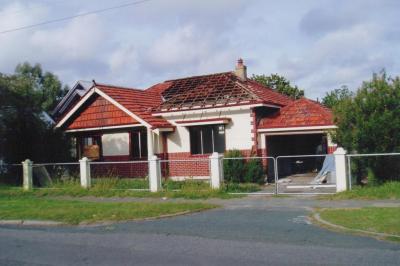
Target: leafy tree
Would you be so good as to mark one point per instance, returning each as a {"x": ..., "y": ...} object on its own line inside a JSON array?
[
  {"x": 280, "y": 84},
  {"x": 332, "y": 98},
  {"x": 46, "y": 86},
  {"x": 24, "y": 96},
  {"x": 369, "y": 122}
]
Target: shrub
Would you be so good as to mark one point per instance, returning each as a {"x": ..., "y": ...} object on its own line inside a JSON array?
[
  {"x": 372, "y": 180},
  {"x": 254, "y": 172},
  {"x": 234, "y": 169}
]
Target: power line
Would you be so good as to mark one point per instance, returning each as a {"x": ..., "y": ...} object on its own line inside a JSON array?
[
  {"x": 74, "y": 16},
  {"x": 29, "y": 8}
]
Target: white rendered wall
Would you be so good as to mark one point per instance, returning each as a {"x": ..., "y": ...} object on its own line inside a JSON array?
[
  {"x": 115, "y": 144},
  {"x": 237, "y": 131}
]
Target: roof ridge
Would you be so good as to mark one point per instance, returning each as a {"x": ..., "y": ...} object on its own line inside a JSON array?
[
  {"x": 244, "y": 87},
  {"x": 314, "y": 102},
  {"x": 118, "y": 87},
  {"x": 270, "y": 89},
  {"x": 198, "y": 76}
]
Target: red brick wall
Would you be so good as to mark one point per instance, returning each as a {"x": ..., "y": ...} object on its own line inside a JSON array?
[
  {"x": 101, "y": 113},
  {"x": 124, "y": 170},
  {"x": 183, "y": 164}
]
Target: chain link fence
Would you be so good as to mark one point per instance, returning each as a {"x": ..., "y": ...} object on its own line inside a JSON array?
[
  {"x": 55, "y": 175},
  {"x": 373, "y": 168},
  {"x": 10, "y": 174},
  {"x": 249, "y": 174},
  {"x": 188, "y": 174}
]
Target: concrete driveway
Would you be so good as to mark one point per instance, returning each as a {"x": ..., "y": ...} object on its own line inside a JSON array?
[{"x": 250, "y": 231}]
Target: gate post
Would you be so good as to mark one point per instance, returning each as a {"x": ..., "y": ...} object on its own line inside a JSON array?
[
  {"x": 216, "y": 170},
  {"x": 27, "y": 174},
  {"x": 154, "y": 174},
  {"x": 85, "y": 172},
  {"x": 340, "y": 168}
]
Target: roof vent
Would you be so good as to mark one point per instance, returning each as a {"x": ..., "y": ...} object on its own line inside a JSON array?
[{"x": 241, "y": 70}]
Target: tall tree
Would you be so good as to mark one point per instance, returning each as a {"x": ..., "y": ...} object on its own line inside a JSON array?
[
  {"x": 47, "y": 87},
  {"x": 24, "y": 96},
  {"x": 333, "y": 98},
  {"x": 369, "y": 122},
  {"x": 280, "y": 84}
]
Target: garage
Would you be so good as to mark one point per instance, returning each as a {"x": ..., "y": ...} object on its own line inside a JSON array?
[{"x": 301, "y": 144}]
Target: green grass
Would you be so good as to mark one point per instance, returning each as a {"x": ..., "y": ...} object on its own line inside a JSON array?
[
  {"x": 77, "y": 191},
  {"x": 389, "y": 190},
  {"x": 28, "y": 207},
  {"x": 120, "y": 187},
  {"x": 373, "y": 219},
  {"x": 106, "y": 183},
  {"x": 241, "y": 187},
  {"x": 126, "y": 187}
]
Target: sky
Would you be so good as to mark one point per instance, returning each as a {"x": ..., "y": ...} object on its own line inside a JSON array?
[{"x": 319, "y": 45}]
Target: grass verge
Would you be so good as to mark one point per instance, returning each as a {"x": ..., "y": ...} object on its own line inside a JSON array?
[
  {"x": 370, "y": 219},
  {"x": 27, "y": 207},
  {"x": 114, "y": 187},
  {"x": 389, "y": 190}
]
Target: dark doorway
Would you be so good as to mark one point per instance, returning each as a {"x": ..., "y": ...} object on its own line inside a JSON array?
[{"x": 306, "y": 144}]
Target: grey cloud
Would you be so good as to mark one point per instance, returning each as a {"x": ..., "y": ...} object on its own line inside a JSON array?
[{"x": 324, "y": 20}]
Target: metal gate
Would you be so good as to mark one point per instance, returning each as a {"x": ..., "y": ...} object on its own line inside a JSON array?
[{"x": 305, "y": 174}]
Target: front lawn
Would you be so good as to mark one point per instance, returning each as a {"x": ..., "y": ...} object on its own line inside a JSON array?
[
  {"x": 389, "y": 190},
  {"x": 373, "y": 219},
  {"x": 28, "y": 207},
  {"x": 115, "y": 187}
]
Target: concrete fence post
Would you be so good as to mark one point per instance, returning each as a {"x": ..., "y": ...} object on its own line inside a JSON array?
[
  {"x": 340, "y": 165},
  {"x": 216, "y": 170},
  {"x": 27, "y": 174},
  {"x": 84, "y": 166},
  {"x": 154, "y": 174}
]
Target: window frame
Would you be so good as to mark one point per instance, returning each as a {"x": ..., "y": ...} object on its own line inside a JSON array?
[
  {"x": 143, "y": 152},
  {"x": 201, "y": 130}
]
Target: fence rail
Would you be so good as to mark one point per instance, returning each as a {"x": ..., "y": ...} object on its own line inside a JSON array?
[
  {"x": 349, "y": 158},
  {"x": 211, "y": 169}
]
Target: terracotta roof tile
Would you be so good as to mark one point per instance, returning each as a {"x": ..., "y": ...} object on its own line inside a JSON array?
[
  {"x": 299, "y": 113},
  {"x": 215, "y": 90},
  {"x": 267, "y": 94},
  {"x": 138, "y": 102}
]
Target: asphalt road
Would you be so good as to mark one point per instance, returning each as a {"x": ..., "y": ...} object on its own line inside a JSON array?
[{"x": 244, "y": 232}]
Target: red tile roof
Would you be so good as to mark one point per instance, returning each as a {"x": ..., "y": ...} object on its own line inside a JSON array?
[
  {"x": 299, "y": 113},
  {"x": 214, "y": 90},
  {"x": 138, "y": 102},
  {"x": 268, "y": 95}
]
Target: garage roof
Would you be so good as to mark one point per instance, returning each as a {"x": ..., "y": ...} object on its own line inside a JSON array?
[{"x": 299, "y": 113}]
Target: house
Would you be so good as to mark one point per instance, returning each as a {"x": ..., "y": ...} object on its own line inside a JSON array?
[{"x": 189, "y": 118}]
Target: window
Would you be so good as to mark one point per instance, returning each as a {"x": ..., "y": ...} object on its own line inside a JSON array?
[
  {"x": 207, "y": 139},
  {"x": 139, "y": 144},
  {"x": 90, "y": 147}
]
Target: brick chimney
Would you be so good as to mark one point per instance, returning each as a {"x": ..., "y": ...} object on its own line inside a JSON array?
[{"x": 241, "y": 70}]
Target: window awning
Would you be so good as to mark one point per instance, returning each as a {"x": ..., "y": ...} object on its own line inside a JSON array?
[{"x": 213, "y": 121}]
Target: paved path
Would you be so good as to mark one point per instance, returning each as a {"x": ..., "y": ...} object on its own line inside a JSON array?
[{"x": 250, "y": 231}]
